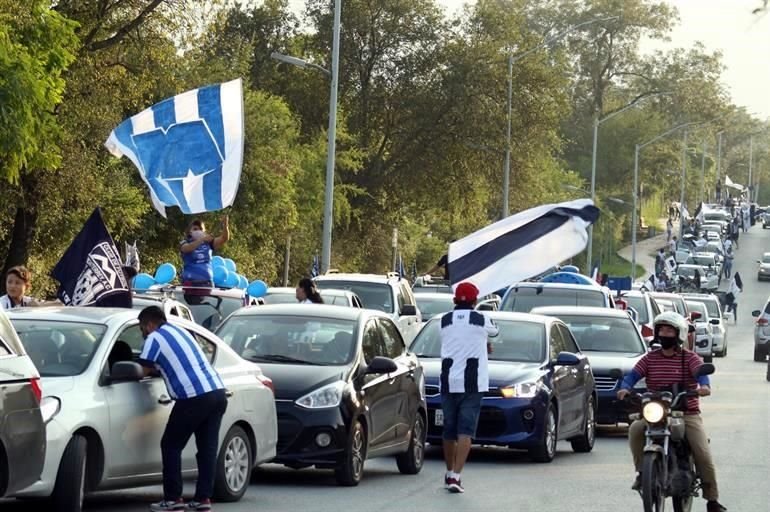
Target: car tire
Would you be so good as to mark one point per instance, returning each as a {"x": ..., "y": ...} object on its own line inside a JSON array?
[
  {"x": 70, "y": 487},
  {"x": 767, "y": 377},
  {"x": 545, "y": 450},
  {"x": 759, "y": 354},
  {"x": 411, "y": 461},
  {"x": 234, "y": 466},
  {"x": 585, "y": 442},
  {"x": 350, "y": 472}
]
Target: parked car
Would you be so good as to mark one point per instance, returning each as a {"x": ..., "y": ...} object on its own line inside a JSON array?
[
  {"x": 704, "y": 331},
  {"x": 709, "y": 280},
  {"x": 171, "y": 307},
  {"x": 525, "y": 296},
  {"x": 682, "y": 255},
  {"x": 428, "y": 284},
  {"x": 765, "y": 220},
  {"x": 210, "y": 306},
  {"x": 389, "y": 294},
  {"x": 541, "y": 388},
  {"x": 763, "y": 272},
  {"x": 108, "y": 432},
  {"x": 715, "y": 318},
  {"x": 431, "y": 304},
  {"x": 347, "y": 389},
  {"x": 762, "y": 332},
  {"x": 22, "y": 419},
  {"x": 708, "y": 261},
  {"x": 646, "y": 310},
  {"x": 285, "y": 295}
]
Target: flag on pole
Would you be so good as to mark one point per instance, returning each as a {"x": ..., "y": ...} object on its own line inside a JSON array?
[
  {"x": 414, "y": 271},
  {"x": 699, "y": 213},
  {"x": 188, "y": 149},
  {"x": 90, "y": 272},
  {"x": 315, "y": 267},
  {"x": 522, "y": 245},
  {"x": 401, "y": 269}
]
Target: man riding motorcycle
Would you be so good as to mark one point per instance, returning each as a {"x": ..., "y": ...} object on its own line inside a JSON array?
[{"x": 661, "y": 369}]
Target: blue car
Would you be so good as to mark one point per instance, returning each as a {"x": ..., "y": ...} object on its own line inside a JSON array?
[{"x": 541, "y": 388}]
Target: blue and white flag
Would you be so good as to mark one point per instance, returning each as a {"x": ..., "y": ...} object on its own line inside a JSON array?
[
  {"x": 90, "y": 272},
  {"x": 188, "y": 149},
  {"x": 315, "y": 268},
  {"x": 522, "y": 245},
  {"x": 400, "y": 267}
]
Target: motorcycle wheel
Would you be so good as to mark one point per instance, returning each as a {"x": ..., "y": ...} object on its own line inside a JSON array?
[{"x": 653, "y": 494}]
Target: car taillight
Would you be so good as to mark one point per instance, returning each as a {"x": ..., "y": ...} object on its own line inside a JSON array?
[
  {"x": 268, "y": 382},
  {"x": 647, "y": 332},
  {"x": 761, "y": 321},
  {"x": 36, "y": 389}
]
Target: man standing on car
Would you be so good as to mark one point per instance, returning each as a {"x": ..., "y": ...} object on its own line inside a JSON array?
[
  {"x": 200, "y": 404},
  {"x": 464, "y": 378}
]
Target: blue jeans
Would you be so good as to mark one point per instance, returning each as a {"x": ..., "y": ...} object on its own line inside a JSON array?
[{"x": 461, "y": 414}]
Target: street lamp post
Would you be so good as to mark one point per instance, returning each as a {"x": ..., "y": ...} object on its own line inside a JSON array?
[
  {"x": 703, "y": 172},
  {"x": 684, "y": 173}
]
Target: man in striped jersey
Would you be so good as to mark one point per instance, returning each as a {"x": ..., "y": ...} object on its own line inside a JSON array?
[
  {"x": 662, "y": 369},
  {"x": 200, "y": 404}
]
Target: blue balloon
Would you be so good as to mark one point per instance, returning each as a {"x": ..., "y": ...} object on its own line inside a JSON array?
[
  {"x": 244, "y": 283},
  {"x": 231, "y": 281},
  {"x": 257, "y": 289},
  {"x": 230, "y": 265},
  {"x": 217, "y": 261},
  {"x": 220, "y": 276},
  {"x": 143, "y": 281},
  {"x": 165, "y": 273}
]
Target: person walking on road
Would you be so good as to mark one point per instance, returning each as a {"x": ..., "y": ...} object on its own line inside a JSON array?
[
  {"x": 672, "y": 246},
  {"x": 201, "y": 402},
  {"x": 729, "y": 257},
  {"x": 464, "y": 378},
  {"x": 731, "y": 298}
]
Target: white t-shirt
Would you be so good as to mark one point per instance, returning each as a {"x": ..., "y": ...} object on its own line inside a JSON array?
[
  {"x": 464, "y": 334},
  {"x": 26, "y": 301}
]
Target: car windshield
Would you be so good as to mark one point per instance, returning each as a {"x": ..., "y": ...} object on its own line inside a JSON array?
[
  {"x": 766, "y": 258},
  {"x": 699, "y": 308},
  {"x": 637, "y": 302},
  {"x": 704, "y": 261},
  {"x": 280, "y": 298},
  {"x": 525, "y": 298},
  {"x": 518, "y": 341},
  {"x": 59, "y": 349},
  {"x": 373, "y": 295},
  {"x": 686, "y": 271},
  {"x": 207, "y": 310},
  {"x": 666, "y": 305},
  {"x": 295, "y": 339},
  {"x": 430, "y": 306},
  {"x": 711, "y": 306},
  {"x": 604, "y": 334}
]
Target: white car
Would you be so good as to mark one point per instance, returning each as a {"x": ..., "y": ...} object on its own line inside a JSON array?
[
  {"x": 709, "y": 280},
  {"x": 286, "y": 295},
  {"x": 107, "y": 434},
  {"x": 704, "y": 333},
  {"x": 715, "y": 318}
]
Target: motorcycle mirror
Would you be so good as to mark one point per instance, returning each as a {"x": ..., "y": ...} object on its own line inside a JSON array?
[
  {"x": 616, "y": 374},
  {"x": 705, "y": 369}
]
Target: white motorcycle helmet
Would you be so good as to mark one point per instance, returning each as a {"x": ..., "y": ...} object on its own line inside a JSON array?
[{"x": 674, "y": 320}]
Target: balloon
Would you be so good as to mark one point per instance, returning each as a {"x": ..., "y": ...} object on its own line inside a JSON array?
[
  {"x": 231, "y": 281},
  {"x": 220, "y": 276},
  {"x": 143, "y": 281},
  {"x": 244, "y": 283},
  {"x": 229, "y": 264},
  {"x": 165, "y": 273},
  {"x": 217, "y": 261},
  {"x": 257, "y": 289}
]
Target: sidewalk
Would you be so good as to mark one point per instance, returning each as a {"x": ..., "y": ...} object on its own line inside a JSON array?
[{"x": 646, "y": 250}]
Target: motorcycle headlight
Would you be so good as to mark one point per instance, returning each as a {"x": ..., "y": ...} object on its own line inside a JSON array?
[
  {"x": 522, "y": 390},
  {"x": 49, "y": 407},
  {"x": 326, "y": 396},
  {"x": 653, "y": 412}
]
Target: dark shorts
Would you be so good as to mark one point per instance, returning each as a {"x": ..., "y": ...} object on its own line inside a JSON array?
[{"x": 461, "y": 414}]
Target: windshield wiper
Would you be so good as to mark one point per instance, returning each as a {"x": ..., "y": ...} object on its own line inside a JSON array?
[{"x": 284, "y": 359}]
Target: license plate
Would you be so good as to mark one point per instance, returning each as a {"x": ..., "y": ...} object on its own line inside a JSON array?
[{"x": 439, "y": 418}]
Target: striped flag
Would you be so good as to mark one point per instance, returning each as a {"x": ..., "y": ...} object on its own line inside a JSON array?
[
  {"x": 188, "y": 149},
  {"x": 315, "y": 268},
  {"x": 522, "y": 245}
]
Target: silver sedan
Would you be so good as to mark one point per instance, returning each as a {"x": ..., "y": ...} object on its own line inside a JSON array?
[{"x": 107, "y": 434}]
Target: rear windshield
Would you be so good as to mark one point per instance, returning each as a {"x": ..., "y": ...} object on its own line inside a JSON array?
[
  {"x": 711, "y": 306},
  {"x": 524, "y": 299},
  {"x": 640, "y": 306},
  {"x": 373, "y": 295}
]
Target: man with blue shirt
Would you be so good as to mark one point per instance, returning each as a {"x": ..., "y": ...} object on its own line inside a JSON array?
[
  {"x": 197, "y": 248},
  {"x": 200, "y": 404}
]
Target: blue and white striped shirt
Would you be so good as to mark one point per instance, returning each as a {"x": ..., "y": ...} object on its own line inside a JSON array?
[{"x": 181, "y": 361}]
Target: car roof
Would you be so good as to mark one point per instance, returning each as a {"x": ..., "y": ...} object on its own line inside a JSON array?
[
  {"x": 580, "y": 311},
  {"x": 363, "y": 278},
  {"x": 432, "y": 295},
  {"x": 74, "y": 314},
  {"x": 513, "y": 317},
  {"x": 665, "y": 295},
  {"x": 234, "y": 293},
  {"x": 704, "y": 254},
  {"x": 699, "y": 296},
  {"x": 325, "y": 291},
  {"x": 310, "y": 310},
  {"x": 569, "y": 286}
]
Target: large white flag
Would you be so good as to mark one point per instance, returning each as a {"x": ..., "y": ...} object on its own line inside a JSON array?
[{"x": 522, "y": 245}]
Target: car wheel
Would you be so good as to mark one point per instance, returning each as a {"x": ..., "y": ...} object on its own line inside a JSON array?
[
  {"x": 545, "y": 450},
  {"x": 69, "y": 490},
  {"x": 350, "y": 472},
  {"x": 759, "y": 353},
  {"x": 768, "y": 372},
  {"x": 234, "y": 466},
  {"x": 585, "y": 442},
  {"x": 410, "y": 462}
]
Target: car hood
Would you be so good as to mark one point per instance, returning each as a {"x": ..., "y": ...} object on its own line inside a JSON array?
[
  {"x": 603, "y": 362},
  {"x": 57, "y": 386},
  {"x": 295, "y": 381},
  {"x": 500, "y": 372}
]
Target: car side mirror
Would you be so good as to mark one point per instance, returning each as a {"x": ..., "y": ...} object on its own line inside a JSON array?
[
  {"x": 756, "y": 313},
  {"x": 695, "y": 315},
  {"x": 381, "y": 365},
  {"x": 486, "y": 305},
  {"x": 705, "y": 369},
  {"x": 714, "y": 321},
  {"x": 616, "y": 373},
  {"x": 126, "y": 371},
  {"x": 567, "y": 359},
  {"x": 409, "y": 310}
]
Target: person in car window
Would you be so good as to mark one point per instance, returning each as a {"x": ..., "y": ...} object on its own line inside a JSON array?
[
  {"x": 307, "y": 293},
  {"x": 197, "y": 248},
  {"x": 662, "y": 369},
  {"x": 18, "y": 281},
  {"x": 464, "y": 378},
  {"x": 200, "y": 404},
  {"x": 441, "y": 264}
]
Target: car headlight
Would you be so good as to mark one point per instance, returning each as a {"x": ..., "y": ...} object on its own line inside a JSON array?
[
  {"x": 49, "y": 407},
  {"x": 653, "y": 412},
  {"x": 326, "y": 396},
  {"x": 522, "y": 390}
]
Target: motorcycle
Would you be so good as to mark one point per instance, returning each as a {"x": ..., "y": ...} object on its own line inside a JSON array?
[{"x": 668, "y": 467}]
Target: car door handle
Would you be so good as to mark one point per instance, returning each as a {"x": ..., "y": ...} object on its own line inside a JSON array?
[{"x": 164, "y": 400}]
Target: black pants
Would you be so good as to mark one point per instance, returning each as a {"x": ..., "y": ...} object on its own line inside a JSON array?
[{"x": 202, "y": 416}]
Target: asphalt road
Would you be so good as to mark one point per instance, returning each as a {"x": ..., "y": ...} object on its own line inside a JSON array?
[{"x": 737, "y": 417}]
